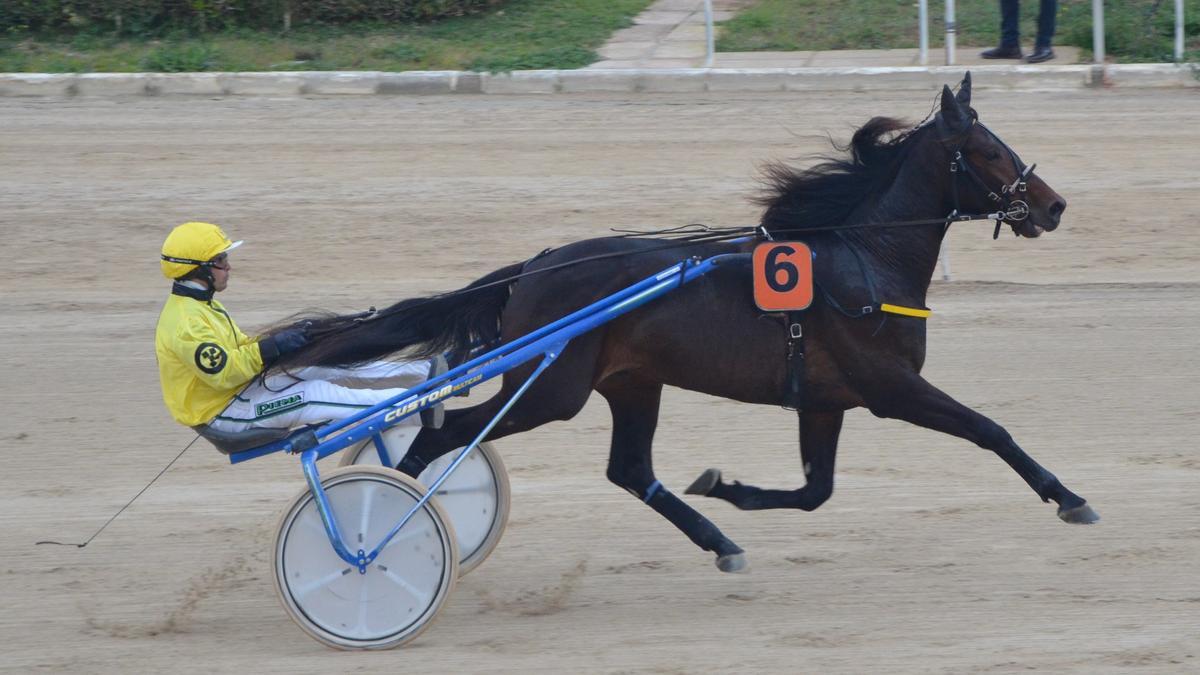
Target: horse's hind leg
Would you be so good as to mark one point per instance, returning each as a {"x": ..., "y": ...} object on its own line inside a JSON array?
[
  {"x": 819, "y": 433},
  {"x": 634, "y": 407},
  {"x": 920, "y": 403},
  {"x": 459, "y": 428},
  {"x": 559, "y": 394}
]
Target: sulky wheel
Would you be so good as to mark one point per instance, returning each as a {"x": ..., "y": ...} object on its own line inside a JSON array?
[
  {"x": 476, "y": 496},
  {"x": 402, "y": 589}
]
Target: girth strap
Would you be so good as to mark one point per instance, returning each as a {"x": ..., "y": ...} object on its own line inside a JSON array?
[{"x": 794, "y": 397}]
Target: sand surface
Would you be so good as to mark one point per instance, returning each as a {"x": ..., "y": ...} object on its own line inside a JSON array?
[{"x": 932, "y": 555}]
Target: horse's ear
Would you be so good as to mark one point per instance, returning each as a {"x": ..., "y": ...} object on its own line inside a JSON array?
[
  {"x": 952, "y": 113},
  {"x": 964, "y": 91}
]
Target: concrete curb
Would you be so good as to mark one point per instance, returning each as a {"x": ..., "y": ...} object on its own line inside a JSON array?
[{"x": 664, "y": 80}]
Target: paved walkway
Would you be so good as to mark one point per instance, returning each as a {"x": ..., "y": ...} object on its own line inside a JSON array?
[{"x": 670, "y": 34}]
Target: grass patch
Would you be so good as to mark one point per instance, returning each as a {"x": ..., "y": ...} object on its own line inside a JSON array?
[
  {"x": 522, "y": 34},
  {"x": 1135, "y": 30},
  {"x": 184, "y": 58}
]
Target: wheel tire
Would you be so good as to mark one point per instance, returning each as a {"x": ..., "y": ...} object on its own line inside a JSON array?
[
  {"x": 402, "y": 590},
  {"x": 476, "y": 497}
]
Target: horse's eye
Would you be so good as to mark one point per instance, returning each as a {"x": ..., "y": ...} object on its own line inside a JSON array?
[{"x": 992, "y": 155}]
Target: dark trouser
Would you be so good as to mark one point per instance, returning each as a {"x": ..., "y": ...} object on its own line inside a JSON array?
[{"x": 1010, "y": 14}]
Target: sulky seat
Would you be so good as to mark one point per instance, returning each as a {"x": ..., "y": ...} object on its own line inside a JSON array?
[{"x": 230, "y": 442}]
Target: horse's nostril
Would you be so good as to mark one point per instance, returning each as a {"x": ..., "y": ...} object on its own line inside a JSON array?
[{"x": 1057, "y": 208}]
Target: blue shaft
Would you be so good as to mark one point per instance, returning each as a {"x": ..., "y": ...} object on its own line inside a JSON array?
[
  {"x": 385, "y": 458},
  {"x": 507, "y": 357},
  {"x": 308, "y": 459}
]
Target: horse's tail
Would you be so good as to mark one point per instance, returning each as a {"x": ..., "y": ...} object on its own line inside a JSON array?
[{"x": 450, "y": 323}]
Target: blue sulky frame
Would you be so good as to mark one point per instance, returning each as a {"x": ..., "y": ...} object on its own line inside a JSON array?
[{"x": 547, "y": 341}]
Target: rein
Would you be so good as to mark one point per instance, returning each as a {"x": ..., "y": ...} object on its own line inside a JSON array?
[
  {"x": 680, "y": 236},
  {"x": 675, "y": 237},
  {"x": 1010, "y": 210}
]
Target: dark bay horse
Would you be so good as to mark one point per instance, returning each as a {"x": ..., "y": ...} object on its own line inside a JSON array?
[{"x": 709, "y": 337}]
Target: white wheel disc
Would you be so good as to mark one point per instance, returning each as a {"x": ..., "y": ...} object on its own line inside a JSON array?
[
  {"x": 402, "y": 589},
  {"x": 476, "y": 496}
]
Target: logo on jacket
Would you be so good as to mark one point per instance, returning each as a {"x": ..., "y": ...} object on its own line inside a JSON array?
[{"x": 210, "y": 357}]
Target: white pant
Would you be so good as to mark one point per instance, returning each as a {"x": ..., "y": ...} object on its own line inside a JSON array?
[{"x": 315, "y": 395}]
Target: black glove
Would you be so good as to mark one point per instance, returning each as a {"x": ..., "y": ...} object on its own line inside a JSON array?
[
  {"x": 289, "y": 340},
  {"x": 284, "y": 342}
]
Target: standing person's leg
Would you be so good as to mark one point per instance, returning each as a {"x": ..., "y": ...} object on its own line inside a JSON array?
[
  {"x": 1010, "y": 36},
  {"x": 1010, "y": 19},
  {"x": 1045, "y": 33},
  {"x": 1046, "y": 18}
]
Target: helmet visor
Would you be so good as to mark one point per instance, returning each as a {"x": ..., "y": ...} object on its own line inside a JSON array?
[{"x": 220, "y": 260}]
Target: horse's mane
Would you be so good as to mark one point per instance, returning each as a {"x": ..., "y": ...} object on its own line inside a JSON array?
[{"x": 826, "y": 193}]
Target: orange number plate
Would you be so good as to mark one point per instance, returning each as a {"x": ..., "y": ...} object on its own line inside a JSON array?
[{"x": 782, "y": 276}]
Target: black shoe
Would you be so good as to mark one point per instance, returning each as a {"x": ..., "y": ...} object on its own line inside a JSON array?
[
  {"x": 1002, "y": 52},
  {"x": 1040, "y": 54},
  {"x": 433, "y": 416}
]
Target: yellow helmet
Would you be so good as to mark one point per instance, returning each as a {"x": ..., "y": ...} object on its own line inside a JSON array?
[{"x": 191, "y": 245}]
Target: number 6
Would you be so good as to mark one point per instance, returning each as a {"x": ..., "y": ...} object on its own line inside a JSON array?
[{"x": 790, "y": 274}]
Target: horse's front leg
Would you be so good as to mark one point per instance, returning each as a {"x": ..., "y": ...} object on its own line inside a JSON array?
[
  {"x": 915, "y": 400},
  {"x": 819, "y": 433}
]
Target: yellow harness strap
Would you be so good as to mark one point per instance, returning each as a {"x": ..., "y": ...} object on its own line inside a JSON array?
[{"x": 905, "y": 311}]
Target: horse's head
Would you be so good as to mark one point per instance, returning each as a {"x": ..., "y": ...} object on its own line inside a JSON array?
[{"x": 988, "y": 176}]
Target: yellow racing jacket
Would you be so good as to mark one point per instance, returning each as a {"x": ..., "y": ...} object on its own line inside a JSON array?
[{"x": 204, "y": 359}]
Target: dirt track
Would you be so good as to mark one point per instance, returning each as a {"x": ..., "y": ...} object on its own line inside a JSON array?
[{"x": 932, "y": 555}]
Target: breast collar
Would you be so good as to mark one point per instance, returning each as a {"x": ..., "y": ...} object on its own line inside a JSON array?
[{"x": 201, "y": 294}]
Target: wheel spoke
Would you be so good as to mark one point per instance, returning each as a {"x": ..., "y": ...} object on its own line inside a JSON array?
[
  {"x": 461, "y": 489},
  {"x": 301, "y": 591},
  {"x": 421, "y": 598},
  {"x": 368, "y": 495},
  {"x": 408, "y": 532},
  {"x": 361, "y": 625}
]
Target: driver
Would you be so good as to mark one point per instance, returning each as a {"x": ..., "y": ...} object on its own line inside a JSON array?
[{"x": 207, "y": 366}]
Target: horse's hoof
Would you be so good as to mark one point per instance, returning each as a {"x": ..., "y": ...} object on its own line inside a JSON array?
[
  {"x": 732, "y": 562},
  {"x": 1082, "y": 514},
  {"x": 704, "y": 484}
]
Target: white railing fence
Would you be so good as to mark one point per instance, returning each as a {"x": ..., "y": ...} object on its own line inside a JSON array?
[
  {"x": 923, "y": 21},
  {"x": 1178, "y": 30},
  {"x": 952, "y": 31},
  {"x": 1097, "y": 31},
  {"x": 710, "y": 54}
]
